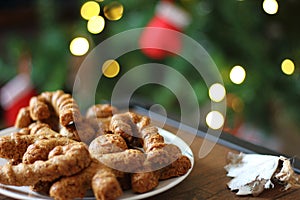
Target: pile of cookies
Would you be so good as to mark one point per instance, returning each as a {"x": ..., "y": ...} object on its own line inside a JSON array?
[{"x": 62, "y": 153}]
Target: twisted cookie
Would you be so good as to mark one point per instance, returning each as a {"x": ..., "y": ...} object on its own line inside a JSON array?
[
  {"x": 108, "y": 143},
  {"x": 81, "y": 131},
  {"x": 15, "y": 145},
  {"x": 123, "y": 125},
  {"x": 105, "y": 185},
  {"x": 101, "y": 111},
  {"x": 40, "y": 149},
  {"x": 112, "y": 151},
  {"x": 76, "y": 185},
  {"x": 129, "y": 160},
  {"x": 177, "y": 168},
  {"x": 162, "y": 160},
  {"x": 48, "y": 104},
  {"x": 99, "y": 116},
  {"x": 148, "y": 180},
  {"x": 23, "y": 118},
  {"x": 144, "y": 181},
  {"x": 133, "y": 127},
  {"x": 65, "y": 107},
  {"x": 39, "y": 109},
  {"x": 97, "y": 176},
  {"x": 63, "y": 161}
]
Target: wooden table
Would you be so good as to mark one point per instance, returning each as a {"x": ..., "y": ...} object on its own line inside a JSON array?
[{"x": 208, "y": 178}]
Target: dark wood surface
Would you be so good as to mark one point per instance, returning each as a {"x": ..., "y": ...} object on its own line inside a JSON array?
[{"x": 208, "y": 178}]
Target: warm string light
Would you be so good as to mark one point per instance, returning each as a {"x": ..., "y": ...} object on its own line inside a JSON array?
[
  {"x": 215, "y": 120},
  {"x": 113, "y": 11},
  {"x": 110, "y": 68},
  {"x": 96, "y": 24},
  {"x": 237, "y": 74},
  {"x": 216, "y": 92},
  {"x": 79, "y": 46},
  {"x": 89, "y": 9},
  {"x": 270, "y": 6},
  {"x": 287, "y": 66}
]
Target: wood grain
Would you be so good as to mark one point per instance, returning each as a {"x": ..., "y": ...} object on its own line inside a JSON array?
[{"x": 208, "y": 179}]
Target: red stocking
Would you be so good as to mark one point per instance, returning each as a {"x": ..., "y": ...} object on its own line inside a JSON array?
[{"x": 161, "y": 37}]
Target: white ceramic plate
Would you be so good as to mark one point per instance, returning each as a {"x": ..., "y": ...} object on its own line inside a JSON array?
[{"x": 25, "y": 193}]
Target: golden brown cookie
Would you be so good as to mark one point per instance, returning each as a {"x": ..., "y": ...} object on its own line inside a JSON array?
[
  {"x": 63, "y": 161},
  {"x": 23, "y": 118}
]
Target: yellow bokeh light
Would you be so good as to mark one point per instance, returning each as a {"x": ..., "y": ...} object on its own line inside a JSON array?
[
  {"x": 237, "y": 74},
  {"x": 216, "y": 92},
  {"x": 288, "y": 67},
  {"x": 270, "y": 6},
  {"x": 89, "y": 10},
  {"x": 113, "y": 11},
  {"x": 110, "y": 68},
  {"x": 79, "y": 46},
  {"x": 96, "y": 24},
  {"x": 214, "y": 120}
]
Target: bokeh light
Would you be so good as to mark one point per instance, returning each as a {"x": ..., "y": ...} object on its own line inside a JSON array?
[
  {"x": 216, "y": 92},
  {"x": 288, "y": 67},
  {"x": 214, "y": 120},
  {"x": 237, "y": 74},
  {"x": 96, "y": 24},
  {"x": 270, "y": 6},
  {"x": 79, "y": 46},
  {"x": 89, "y": 10},
  {"x": 110, "y": 68},
  {"x": 113, "y": 11}
]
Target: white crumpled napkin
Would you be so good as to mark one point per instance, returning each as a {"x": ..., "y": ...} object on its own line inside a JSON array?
[{"x": 252, "y": 173}]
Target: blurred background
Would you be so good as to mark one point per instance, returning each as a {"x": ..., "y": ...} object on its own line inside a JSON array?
[{"x": 255, "y": 45}]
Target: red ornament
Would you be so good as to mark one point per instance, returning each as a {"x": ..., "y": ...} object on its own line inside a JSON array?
[
  {"x": 15, "y": 95},
  {"x": 162, "y": 35}
]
